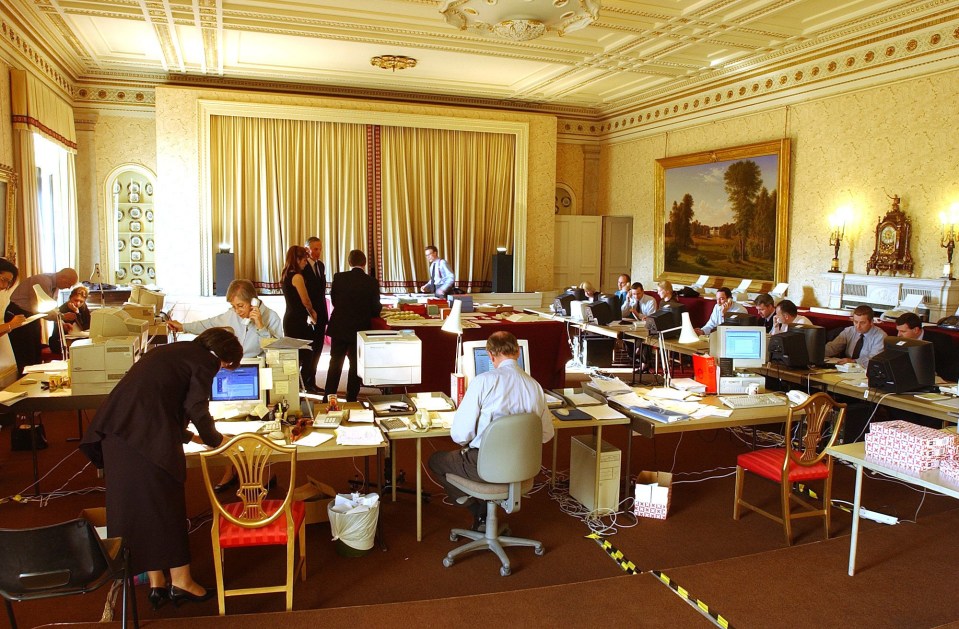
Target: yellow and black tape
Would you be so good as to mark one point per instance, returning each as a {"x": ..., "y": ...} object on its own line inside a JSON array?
[
  {"x": 617, "y": 555},
  {"x": 695, "y": 603},
  {"x": 806, "y": 490}
]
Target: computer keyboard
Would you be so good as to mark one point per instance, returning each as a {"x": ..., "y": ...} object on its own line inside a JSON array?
[{"x": 753, "y": 401}]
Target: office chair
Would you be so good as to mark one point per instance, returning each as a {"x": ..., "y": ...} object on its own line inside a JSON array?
[
  {"x": 817, "y": 422},
  {"x": 60, "y": 560},
  {"x": 510, "y": 456},
  {"x": 254, "y": 521}
]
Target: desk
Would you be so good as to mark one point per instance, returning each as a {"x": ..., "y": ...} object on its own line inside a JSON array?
[
  {"x": 548, "y": 348},
  {"x": 855, "y": 453},
  {"x": 558, "y": 425}
]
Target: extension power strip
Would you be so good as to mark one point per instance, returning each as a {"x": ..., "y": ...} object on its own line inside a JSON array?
[{"x": 882, "y": 518}]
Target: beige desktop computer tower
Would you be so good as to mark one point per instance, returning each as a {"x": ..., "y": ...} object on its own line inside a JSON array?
[{"x": 582, "y": 473}]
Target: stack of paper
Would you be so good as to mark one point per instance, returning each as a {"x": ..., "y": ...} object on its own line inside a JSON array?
[
  {"x": 358, "y": 436},
  {"x": 609, "y": 386}
]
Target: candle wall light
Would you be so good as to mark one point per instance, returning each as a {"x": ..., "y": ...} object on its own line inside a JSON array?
[
  {"x": 950, "y": 225},
  {"x": 837, "y": 231}
]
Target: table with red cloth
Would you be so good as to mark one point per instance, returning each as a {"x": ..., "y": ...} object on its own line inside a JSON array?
[
  {"x": 548, "y": 348},
  {"x": 699, "y": 308}
]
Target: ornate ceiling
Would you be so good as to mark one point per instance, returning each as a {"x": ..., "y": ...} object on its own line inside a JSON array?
[{"x": 640, "y": 59}]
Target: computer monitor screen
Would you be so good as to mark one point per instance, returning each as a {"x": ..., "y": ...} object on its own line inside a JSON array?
[
  {"x": 815, "y": 336},
  {"x": 476, "y": 359},
  {"x": 740, "y": 318},
  {"x": 745, "y": 345},
  {"x": 577, "y": 310},
  {"x": 561, "y": 304},
  {"x": 146, "y": 297},
  {"x": 903, "y": 365},
  {"x": 665, "y": 319},
  {"x": 238, "y": 385},
  {"x": 789, "y": 349},
  {"x": 600, "y": 311}
]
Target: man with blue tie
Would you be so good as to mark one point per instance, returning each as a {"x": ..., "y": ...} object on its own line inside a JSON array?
[
  {"x": 441, "y": 277},
  {"x": 860, "y": 341}
]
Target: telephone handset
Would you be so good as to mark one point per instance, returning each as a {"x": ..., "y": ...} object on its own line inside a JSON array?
[{"x": 253, "y": 304}]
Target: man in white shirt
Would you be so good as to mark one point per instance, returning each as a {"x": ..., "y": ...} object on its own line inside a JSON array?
[
  {"x": 504, "y": 390},
  {"x": 860, "y": 341},
  {"x": 441, "y": 277},
  {"x": 786, "y": 315},
  {"x": 724, "y": 304},
  {"x": 638, "y": 304}
]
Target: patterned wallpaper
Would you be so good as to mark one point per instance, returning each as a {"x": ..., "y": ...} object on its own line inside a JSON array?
[
  {"x": 569, "y": 170},
  {"x": 177, "y": 160},
  {"x": 856, "y": 148}
]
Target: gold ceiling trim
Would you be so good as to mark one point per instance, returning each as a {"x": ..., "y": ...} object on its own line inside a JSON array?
[
  {"x": 393, "y": 62},
  {"x": 25, "y": 49}
]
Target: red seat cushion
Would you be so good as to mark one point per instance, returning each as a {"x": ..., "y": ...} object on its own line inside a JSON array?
[
  {"x": 768, "y": 463},
  {"x": 232, "y": 535}
]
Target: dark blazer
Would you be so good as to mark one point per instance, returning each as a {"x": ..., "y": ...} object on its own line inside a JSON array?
[
  {"x": 151, "y": 406},
  {"x": 356, "y": 301},
  {"x": 316, "y": 289}
]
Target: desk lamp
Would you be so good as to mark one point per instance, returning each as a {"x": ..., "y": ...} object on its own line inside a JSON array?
[
  {"x": 454, "y": 325},
  {"x": 687, "y": 336},
  {"x": 46, "y": 305}
]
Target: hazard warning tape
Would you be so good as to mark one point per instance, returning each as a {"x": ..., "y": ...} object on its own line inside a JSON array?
[
  {"x": 806, "y": 490},
  {"x": 695, "y": 603},
  {"x": 617, "y": 555}
]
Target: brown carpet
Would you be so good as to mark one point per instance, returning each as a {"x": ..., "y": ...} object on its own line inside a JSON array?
[{"x": 568, "y": 581}]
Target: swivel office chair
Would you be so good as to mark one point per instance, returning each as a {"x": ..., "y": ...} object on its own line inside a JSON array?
[{"x": 510, "y": 457}]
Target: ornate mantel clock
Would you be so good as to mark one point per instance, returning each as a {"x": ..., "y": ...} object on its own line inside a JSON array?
[{"x": 893, "y": 232}]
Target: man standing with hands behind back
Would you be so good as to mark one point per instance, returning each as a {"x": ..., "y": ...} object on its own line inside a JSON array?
[
  {"x": 356, "y": 300},
  {"x": 441, "y": 277},
  {"x": 314, "y": 274}
]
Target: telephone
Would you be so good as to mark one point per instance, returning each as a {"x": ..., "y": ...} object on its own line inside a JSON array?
[
  {"x": 253, "y": 304},
  {"x": 951, "y": 322}
]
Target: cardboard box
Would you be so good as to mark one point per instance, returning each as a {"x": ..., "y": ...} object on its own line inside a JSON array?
[
  {"x": 316, "y": 496},
  {"x": 654, "y": 492}
]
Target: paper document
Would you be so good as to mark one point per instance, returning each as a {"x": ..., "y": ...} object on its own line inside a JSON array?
[
  {"x": 711, "y": 411},
  {"x": 687, "y": 384},
  {"x": 361, "y": 415},
  {"x": 444, "y": 419},
  {"x": 237, "y": 428},
  {"x": 603, "y": 412},
  {"x": 358, "y": 436},
  {"x": 35, "y": 317},
  {"x": 431, "y": 403},
  {"x": 608, "y": 386},
  {"x": 313, "y": 439},
  {"x": 629, "y": 399},
  {"x": 667, "y": 393},
  {"x": 51, "y": 367},
  {"x": 192, "y": 447},
  {"x": 289, "y": 343},
  {"x": 7, "y": 397},
  {"x": 579, "y": 398}
]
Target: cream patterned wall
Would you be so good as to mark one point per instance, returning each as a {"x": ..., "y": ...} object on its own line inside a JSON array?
[
  {"x": 177, "y": 142},
  {"x": 570, "y": 164},
  {"x": 901, "y": 138}
]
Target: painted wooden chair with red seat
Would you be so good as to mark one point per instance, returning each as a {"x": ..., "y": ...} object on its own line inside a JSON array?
[
  {"x": 254, "y": 521},
  {"x": 811, "y": 427}
]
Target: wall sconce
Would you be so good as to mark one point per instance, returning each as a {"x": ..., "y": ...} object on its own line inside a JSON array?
[
  {"x": 948, "y": 239},
  {"x": 837, "y": 230}
]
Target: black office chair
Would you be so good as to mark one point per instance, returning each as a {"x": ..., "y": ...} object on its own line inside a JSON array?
[{"x": 60, "y": 560}]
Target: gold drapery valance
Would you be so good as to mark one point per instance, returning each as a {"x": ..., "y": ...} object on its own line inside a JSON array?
[{"x": 36, "y": 107}]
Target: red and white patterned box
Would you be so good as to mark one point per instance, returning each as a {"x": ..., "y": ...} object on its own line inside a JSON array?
[
  {"x": 654, "y": 492},
  {"x": 909, "y": 446},
  {"x": 949, "y": 470}
]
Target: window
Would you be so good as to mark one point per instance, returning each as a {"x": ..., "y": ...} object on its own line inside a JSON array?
[{"x": 55, "y": 223}]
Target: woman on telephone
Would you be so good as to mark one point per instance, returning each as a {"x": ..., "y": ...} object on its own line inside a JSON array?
[{"x": 249, "y": 319}]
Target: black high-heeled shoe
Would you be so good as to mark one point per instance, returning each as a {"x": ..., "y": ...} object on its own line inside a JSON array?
[
  {"x": 179, "y": 596},
  {"x": 158, "y": 597}
]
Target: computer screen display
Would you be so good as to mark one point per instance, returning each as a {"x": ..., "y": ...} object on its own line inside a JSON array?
[
  {"x": 476, "y": 359},
  {"x": 482, "y": 362},
  {"x": 745, "y": 345},
  {"x": 237, "y": 385}
]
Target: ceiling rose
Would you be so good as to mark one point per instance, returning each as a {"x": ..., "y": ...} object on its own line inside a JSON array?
[
  {"x": 393, "y": 62},
  {"x": 520, "y": 20}
]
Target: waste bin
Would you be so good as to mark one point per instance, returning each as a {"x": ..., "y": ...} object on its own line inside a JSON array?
[{"x": 353, "y": 523}]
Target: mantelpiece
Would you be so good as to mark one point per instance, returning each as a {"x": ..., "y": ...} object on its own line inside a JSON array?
[{"x": 885, "y": 292}]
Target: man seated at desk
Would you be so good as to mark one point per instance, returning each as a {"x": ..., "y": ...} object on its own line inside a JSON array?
[
  {"x": 638, "y": 304},
  {"x": 503, "y": 390},
  {"x": 766, "y": 309},
  {"x": 909, "y": 326},
  {"x": 724, "y": 303},
  {"x": 622, "y": 291},
  {"x": 860, "y": 341},
  {"x": 786, "y": 315}
]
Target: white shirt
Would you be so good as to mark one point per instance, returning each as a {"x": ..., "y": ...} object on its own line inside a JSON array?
[
  {"x": 646, "y": 306},
  {"x": 845, "y": 344},
  {"x": 717, "y": 316},
  {"x": 784, "y": 327},
  {"x": 506, "y": 390},
  {"x": 248, "y": 334}
]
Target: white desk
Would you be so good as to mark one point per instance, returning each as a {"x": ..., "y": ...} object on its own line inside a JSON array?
[{"x": 855, "y": 453}]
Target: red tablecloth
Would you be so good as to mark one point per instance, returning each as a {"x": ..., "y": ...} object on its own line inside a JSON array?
[{"x": 548, "y": 348}]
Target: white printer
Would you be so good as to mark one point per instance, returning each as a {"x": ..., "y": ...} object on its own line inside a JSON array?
[
  {"x": 96, "y": 366},
  {"x": 388, "y": 357}
]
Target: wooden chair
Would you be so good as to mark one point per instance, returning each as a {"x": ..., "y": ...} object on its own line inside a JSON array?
[
  {"x": 254, "y": 521},
  {"x": 803, "y": 460}
]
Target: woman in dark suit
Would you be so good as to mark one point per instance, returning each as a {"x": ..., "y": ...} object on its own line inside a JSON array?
[
  {"x": 300, "y": 316},
  {"x": 137, "y": 436}
]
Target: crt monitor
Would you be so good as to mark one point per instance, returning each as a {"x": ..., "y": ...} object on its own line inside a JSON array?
[
  {"x": 561, "y": 305},
  {"x": 789, "y": 349},
  {"x": 903, "y": 365},
  {"x": 601, "y": 311},
  {"x": 740, "y": 318},
  {"x": 745, "y": 345},
  {"x": 666, "y": 318},
  {"x": 815, "y": 336},
  {"x": 476, "y": 359},
  {"x": 239, "y": 385},
  {"x": 146, "y": 297}
]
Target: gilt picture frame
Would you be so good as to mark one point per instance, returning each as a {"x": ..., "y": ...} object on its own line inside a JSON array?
[
  {"x": 8, "y": 213},
  {"x": 723, "y": 213}
]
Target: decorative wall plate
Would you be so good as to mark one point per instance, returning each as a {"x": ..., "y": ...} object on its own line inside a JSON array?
[
  {"x": 121, "y": 244},
  {"x": 116, "y": 187},
  {"x": 136, "y": 255},
  {"x": 149, "y": 189},
  {"x": 136, "y": 281},
  {"x": 136, "y": 212},
  {"x": 151, "y": 273},
  {"x": 137, "y": 269},
  {"x": 121, "y": 273},
  {"x": 119, "y": 215},
  {"x": 135, "y": 226},
  {"x": 150, "y": 245},
  {"x": 136, "y": 241},
  {"x": 150, "y": 215},
  {"x": 134, "y": 197}
]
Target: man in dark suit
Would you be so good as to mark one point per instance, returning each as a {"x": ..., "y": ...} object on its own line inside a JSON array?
[
  {"x": 909, "y": 325},
  {"x": 356, "y": 301},
  {"x": 314, "y": 274}
]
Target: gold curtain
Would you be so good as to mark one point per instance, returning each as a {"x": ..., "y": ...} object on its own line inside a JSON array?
[
  {"x": 452, "y": 189},
  {"x": 277, "y": 182},
  {"x": 28, "y": 204},
  {"x": 34, "y": 105}
]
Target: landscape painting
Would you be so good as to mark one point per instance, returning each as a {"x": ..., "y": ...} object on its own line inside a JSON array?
[{"x": 723, "y": 213}]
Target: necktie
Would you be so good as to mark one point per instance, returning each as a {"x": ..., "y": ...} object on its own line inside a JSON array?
[{"x": 858, "y": 348}]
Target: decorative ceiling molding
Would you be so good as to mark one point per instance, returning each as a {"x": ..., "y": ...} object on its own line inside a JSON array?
[{"x": 26, "y": 51}]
